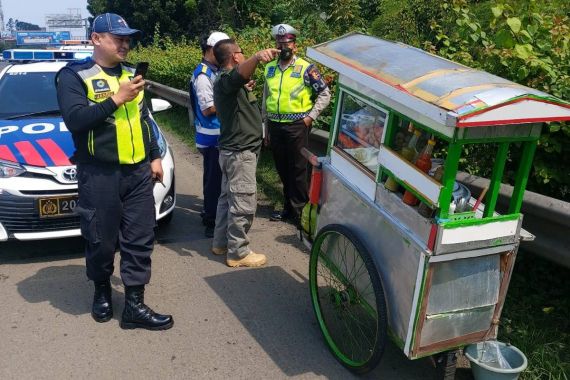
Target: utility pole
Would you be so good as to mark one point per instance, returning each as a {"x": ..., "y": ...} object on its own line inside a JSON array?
[{"x": 1, "y": 19}]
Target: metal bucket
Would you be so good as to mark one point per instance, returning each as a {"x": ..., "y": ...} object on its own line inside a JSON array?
[{"x": 493, "y": 370}]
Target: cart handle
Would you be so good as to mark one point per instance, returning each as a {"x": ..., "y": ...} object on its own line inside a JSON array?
[{"x": 311, "y": 157}]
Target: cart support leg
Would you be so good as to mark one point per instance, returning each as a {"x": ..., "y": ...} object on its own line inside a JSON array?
[{"x": 445, "y": 365}]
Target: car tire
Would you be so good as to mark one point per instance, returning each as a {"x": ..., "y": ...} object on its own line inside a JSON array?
[{"x": 166, "y": 220}]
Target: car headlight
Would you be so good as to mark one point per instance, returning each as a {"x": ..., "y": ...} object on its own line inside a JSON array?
[{"x": 10, "y": 169}]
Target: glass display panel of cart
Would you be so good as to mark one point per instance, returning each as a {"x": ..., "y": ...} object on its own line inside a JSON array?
[{"x": 361, "y": 130}]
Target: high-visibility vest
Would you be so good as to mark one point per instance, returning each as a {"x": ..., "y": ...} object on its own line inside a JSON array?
[
  {"x": 123, "y": 137},
  {"x": 289, "y": 98},
  {"x": 207, "y": 127}
]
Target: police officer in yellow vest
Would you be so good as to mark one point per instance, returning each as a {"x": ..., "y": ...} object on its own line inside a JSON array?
[
  {"x": 117, "y": 158},
  {"x": 294, "y": 96}
]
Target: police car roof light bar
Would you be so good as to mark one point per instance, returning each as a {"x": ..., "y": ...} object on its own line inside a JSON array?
[{"x": 37, "y": 55}]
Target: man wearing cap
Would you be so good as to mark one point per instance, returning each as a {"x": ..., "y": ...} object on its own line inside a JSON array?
[
  {"x": 207, "y": 127},
  {"x": 117, "y": 159},
  {"x": 288, "y": 109}
]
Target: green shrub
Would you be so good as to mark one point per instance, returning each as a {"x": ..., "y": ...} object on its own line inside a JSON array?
[
  {"x": 526, "y": 46},
  {"x": 171, "y": 63}
]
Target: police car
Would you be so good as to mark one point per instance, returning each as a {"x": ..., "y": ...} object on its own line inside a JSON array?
[{"x": 38, "y": 185}]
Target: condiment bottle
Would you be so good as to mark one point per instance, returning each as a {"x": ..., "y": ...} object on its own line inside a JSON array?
[
  {"x": 424, "y": 164},
  {"x": 409, "y": 153}
]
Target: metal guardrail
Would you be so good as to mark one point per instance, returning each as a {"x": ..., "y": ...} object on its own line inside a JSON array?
[
  {"x": 546, "y": 218},
  {"x": 182, "y": 98}
]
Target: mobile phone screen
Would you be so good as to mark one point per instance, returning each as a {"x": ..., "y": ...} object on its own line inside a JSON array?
[{"x": 141, "y": 69}]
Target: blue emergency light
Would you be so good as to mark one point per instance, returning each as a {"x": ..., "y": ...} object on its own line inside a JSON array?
[{"x": 29, "y": 55}]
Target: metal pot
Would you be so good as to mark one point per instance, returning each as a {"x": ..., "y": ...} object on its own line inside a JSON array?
[{"x": 461, "y": 196}]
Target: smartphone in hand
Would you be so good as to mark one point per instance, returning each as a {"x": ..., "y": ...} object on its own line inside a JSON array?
[{"x": 141, "y": 69}]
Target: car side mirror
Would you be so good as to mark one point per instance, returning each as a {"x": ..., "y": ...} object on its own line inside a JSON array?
[{"x": 158, "y": 105}]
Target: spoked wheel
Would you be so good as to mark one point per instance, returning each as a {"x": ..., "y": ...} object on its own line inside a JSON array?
[{"x": 348, "y": 298}]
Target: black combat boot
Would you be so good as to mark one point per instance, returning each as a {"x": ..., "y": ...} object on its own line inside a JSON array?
[
  {"x": 102, "y": 309},
  {"x": 137, "y": 315}
]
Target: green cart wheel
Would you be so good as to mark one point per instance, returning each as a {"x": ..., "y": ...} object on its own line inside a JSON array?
[{"x": 348, "y": 298}]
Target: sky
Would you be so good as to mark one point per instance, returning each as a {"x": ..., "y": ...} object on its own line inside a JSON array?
[{"x": 34, "y": 11}]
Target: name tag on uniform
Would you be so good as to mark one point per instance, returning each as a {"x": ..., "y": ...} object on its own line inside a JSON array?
[{"x": 271, "y": 72}]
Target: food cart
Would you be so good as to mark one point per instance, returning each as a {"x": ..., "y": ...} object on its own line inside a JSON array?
[{"x": 403, "y": 251}]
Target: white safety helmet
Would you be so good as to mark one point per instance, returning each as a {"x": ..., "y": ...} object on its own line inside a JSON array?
[
  {"x": 284, "y": 33},
  {"x": 216, "y": 37}
]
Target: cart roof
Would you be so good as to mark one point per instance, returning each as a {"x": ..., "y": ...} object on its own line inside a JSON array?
[{"x": 450, "y": 95}]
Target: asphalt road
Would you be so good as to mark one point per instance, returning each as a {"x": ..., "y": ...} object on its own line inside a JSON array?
[{"x": 229, "y": 323}]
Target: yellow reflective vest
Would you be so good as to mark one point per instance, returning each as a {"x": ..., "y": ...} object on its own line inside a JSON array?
[
  {"x": 122, "y": 137},
  {"x": 288, "y": 97}
]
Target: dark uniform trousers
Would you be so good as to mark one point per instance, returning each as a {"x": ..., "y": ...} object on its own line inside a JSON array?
[
  {"x": 287, "y": 139},
  {"x": 212, "y": 183},
  {"x": 116, "y": 204}
]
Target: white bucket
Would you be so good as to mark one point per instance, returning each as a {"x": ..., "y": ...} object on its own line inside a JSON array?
[{"x": 493, "y": 370}]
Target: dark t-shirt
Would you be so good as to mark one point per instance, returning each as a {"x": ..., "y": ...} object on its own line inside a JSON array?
[{"x": 238, "y": 112}]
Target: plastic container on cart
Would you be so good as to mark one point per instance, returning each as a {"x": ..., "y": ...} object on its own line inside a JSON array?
[{"x": 494, "y": 360}]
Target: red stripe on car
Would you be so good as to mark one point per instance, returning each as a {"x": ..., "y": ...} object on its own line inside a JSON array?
[
  {"x": 6, "y": 154},
  {"x": 29, "y": 153},
  {"x": 55, "y": 153}
]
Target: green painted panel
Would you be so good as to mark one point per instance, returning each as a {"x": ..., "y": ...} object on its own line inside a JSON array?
[
  {"x": 334, "y": 127},
  {"x": 448, "y": 180},
  {"x": 522, "y": 176},
  {"x": 496, "y": 178},
  {"x": 449, "y": 224}
]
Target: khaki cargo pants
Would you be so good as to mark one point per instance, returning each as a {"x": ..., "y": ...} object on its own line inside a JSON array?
[{"x": 237, "y": 202}]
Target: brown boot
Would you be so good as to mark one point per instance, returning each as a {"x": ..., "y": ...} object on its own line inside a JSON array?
[{"x": 251, "y": 260}]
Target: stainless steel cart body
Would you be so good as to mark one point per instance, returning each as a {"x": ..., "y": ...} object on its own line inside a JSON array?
[{"x": 445, "y": 275}]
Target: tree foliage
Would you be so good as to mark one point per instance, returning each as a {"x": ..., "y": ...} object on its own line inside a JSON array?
[
  {"x": 524, "y": 45},
  {"x": 21, "y": 25},
  {"x": 11, "y": 25}
]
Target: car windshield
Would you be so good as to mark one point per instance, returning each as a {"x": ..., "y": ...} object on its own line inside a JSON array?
[{"x": 25, "y": 93}]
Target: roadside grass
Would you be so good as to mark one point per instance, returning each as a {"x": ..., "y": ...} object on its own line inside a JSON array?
[
  {"x": 176, "y": 120},
  {"x": 268, "y": 183},
  {"x": 536, "y": 315}
]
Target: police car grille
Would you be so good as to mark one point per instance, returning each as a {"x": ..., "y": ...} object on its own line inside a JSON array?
[
  {"x": 20, "y": 215},
  {"x": 50, "y": 193}
]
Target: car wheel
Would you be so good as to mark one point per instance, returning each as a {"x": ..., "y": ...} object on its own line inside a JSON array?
[{"x": 166, "y": 220}]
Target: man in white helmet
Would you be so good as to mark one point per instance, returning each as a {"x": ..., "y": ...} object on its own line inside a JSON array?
[
  {"x": 294, "y": 96},
  {"x": 207, "y": 127}
]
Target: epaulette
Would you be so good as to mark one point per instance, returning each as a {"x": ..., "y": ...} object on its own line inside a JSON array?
[{"x": 78, "y": 62}]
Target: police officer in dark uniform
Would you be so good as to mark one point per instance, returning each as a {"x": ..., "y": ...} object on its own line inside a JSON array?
[
  {"x": 117, "y": 158},
  {"x": 294, "y": 95}
]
